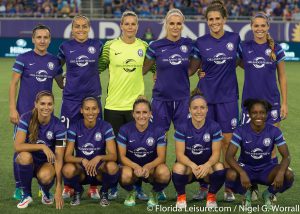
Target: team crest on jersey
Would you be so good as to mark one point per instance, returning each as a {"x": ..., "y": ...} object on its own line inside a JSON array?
[
  {"x": 50, "y": 65},
  {"x": 49, "y": 135},
  {"x": 206, "y": 137},
  {"x": 98, "y": 136},
  {"x": 267, "y": 141},
  {"x": 150, "y": 141},
  {"x": 230, "y": 46},
  {"x": 140, "y": 52},
  {"x": 91, "y": 50},
  {"x": 184, "y": 48},
  {"x": 274, "y": 114},
  {"x": 233, "y": 122},
  {"x": 268, "y": 52}
]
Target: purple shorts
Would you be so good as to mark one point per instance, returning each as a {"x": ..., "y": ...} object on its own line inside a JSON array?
[
  {"x": 225, "y": 114},
  {"x": 90, "y": 179},
  {"x": 273, "y": 116},
  {"x": 164, "y": 112},
  {"x": 70, "y": 111}
]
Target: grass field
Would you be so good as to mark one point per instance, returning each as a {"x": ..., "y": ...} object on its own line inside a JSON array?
[{"x": 290, "y": 127}]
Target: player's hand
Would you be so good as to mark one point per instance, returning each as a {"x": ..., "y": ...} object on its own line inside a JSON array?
[
  {"x": 283, "y": 111},
  {"x": 201, "y": 74},
  {"x": 195, "y": 170},
  {"x": 14, "y": 117},
  {"x": 59, "y": 201},
  {"x": 139, "y": 172},
  {"x": 91, "y": 166},
  {"x": 84, "y": 162},
  {"x": 203, "y": 170},
  {"x": 146, "y": 170},
  {"x": 245, "y": 181},
  {"x": 278, "y": 180},
  {"x": 49, "y": 154}
]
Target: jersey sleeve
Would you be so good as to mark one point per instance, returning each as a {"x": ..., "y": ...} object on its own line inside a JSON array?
[
  {"x": 150, "y": 53},
  {"x": 60, "y": 135},
  {"x": 109, "y": 133},
  {"x": 122, "y": 138},
  {"x": 24, "y": 123},
  {"x": 72, "y": 134},
  {"x": 236, "y": 137},
  {"x": 61, "y": 54},
  {"x": 278, "y": 137},
  {"x": 179, "y": 135},
  {"x": 104, "y": 59},
  {"x": 19, "y": 64},
  {"x": 217, "y": 135},
  {"x": 161, "y": 138},
  {"x": 280, "y": 56}
]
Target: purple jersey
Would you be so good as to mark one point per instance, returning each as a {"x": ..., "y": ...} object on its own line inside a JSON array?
[
  {"x": 260, "y": 71},
  {"x": 218, "y": 58},
  {"x": 37, "y": 74},
  {"x": 198, "y": 142},
  {"x": 256, "y": 148},
  {"x": 82, "y": 68},
  {"x": 49, "y": 134},
  {"x": 90, "y": 142},
  {"x": 141, "y": 147},
  {"x": 172, "y": 63}
]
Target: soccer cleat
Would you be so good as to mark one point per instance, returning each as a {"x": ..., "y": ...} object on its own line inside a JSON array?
[
  {"x": 228, "y": 196},
  {"x": 68, "y": 192},
  {"x": 104, "y": 199},
  {"x": 181, "y": 201},
  {"x": 153, "y": 199},
  {"x": 130, "y": 199},
  {"x": 201, "y": 194},
  {"x": 47, "y": 198},
  {"x": 113, "y": 194},
  {"x": 76, "y": 198},
  {"x": 211, "y": 200},
  {"x": 141, "y": 195},
  {"x": 25, "y": 201},
  {"x": 254, "y": 192},
  {"x": 162, "y": 196},
  {"x": 267, "y": 196},
  {"x": 274, "y": 198},
  {"x": 247, "y": 199},
  {"x": 18, "y": 194},
  {"x": 93, "y": 193}
]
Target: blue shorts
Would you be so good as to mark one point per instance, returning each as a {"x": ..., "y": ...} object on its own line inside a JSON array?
[
  {"x": 225, "y": 114},
  {"x": 70, "y": 111},
  {"x": 273, "y": 115},
  {"x": 164, "y": 112}
]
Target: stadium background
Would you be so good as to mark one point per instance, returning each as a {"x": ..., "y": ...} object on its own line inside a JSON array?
[{"x": 15, "y": 33}]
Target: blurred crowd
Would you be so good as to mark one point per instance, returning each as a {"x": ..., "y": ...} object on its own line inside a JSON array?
[{"x": 39, "y": 8}]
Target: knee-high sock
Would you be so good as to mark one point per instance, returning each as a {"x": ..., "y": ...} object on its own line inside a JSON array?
[
  {"x": 17, "y": 180},
  {"x": 203, "y": 185},
  {"x": 286, "y": 185},
  {"x": 109, "y": 181},
  {"x": 75, "y": 183},
  {"x": 138, "y": 185},
  {"x": 46, "y": 187},
  {"x": 127, "y": 187},
  {"x": 216, "y": 180},
  {"x": 180, "y": 181},
  {"x": 158, "y": 187},
  {"x": 67, "y": 182},
  {"x": 25, "y": 174}
]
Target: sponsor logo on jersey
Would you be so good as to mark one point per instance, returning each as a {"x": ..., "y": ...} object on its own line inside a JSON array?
[
  {"x": 257, "y": 153},
  {"x": 140, "y": 152},
  {"x": 197, "y": 149},
  {"x": 49, "y": 135},
  {"x": 140, "y": 52},
  {"x": 98, "y": 136},
  {"x": 88, "y": 149},
  {"x": 259, "y": 62},
  {"x": 206, "y": 137},
  {"x": 41, "y": 75},
  {"x": 230, "y": 46},
  {"x": 50, "y": 65},
  {"x": 129, "y": 65},
  {"x": 219, "y": 58},
  {"x": 150, "y": 141},
  {"x": 175, "y": 59},
  {"x": 40, "y": 142},
  {"x": 184, "y": 48},
  {"x": 267, "y": 141},
  {"x": 274, "y": 114},
  {"x": 82, "y": 61},
  {"x": 91, "y": 50}
]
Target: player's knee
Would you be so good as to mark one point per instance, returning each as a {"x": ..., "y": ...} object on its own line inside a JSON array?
[
  {"x": 112, "y": 167},
  {"x": 179, "y": 168},
  {"x": 231, "y": 175},
  {"x": 218, "y": 166},
  {"x": 127, "y": 176},
  {"x": 69, "y": 170},
  {"x": 289, "y": 175},
  {"x": 45, "y": 176},
  {"x": 162, "y": 174},
  {"x": 24, "y": 158}
]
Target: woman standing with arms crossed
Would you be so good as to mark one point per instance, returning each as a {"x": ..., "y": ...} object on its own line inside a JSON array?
[
  {"x": 123, "y": 57},
  {"x": 217, "y": 52},
  {"x": 81, "y": 56}
]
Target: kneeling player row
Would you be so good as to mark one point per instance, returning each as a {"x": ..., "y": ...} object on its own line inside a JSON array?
[{"x": 40, "y": 137}]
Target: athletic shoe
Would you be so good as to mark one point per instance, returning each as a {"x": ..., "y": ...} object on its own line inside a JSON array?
[
  {"x": 130, "y": 199},
  {"x": 68, "y": 192},
  {"x": 104, "y": 199},
  {"x": 201, "y": 194},
  {"x": 25, "y": 201},
  {"x": 267, "y": 196},
  {"x": 40, "y": 193},
  {"x": 181, "y": 201},
  {"x": 162, "y": 196},
  {"x": 254, "y": 192},
  {"x": 153, "y": 199},
  {"x": 47, "y": 198},
  {"x": 113, "y": 194},
  {"x": 141, "y": 195},
  {"x": 93, "y": 193},
  {"x": 228, "y": 196},
  {"x": 18, "y": 194},
  {"x": 76, "y": 198},
  {"x": 247, "y": 199},
  {"x": 211, "y": 201},
  {"x": 274, "y": 198}
]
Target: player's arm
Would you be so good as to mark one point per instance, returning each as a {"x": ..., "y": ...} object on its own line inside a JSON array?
[
  {"x": 104, "y": 58},
  {"x": 181, "y": 157},
  {"x": 59, "y": 156},
  {"x": 161, "y": 157},
  {"x": 60, "y": 81},
  {"x": 148, "y": 65},
  {"x": 69, "y": 157},
  {"x": 283, "y": 89},
  {"x": 123, "y": 159},
  {"x": 21, "y": 146},
  {"x": 111, "y": 151},
  {"x": 194, "y": 65},
  {"x": 13, "y": 113}
]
